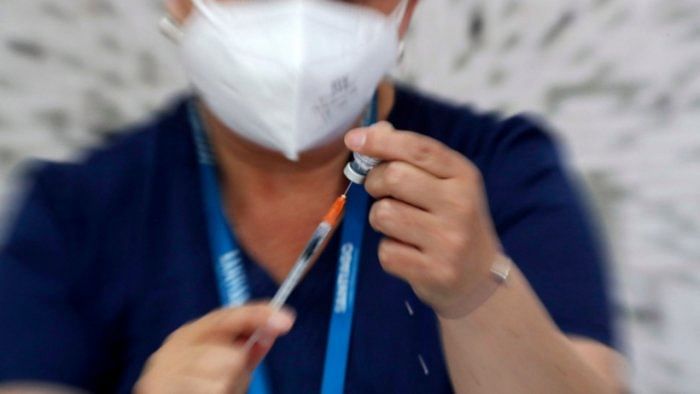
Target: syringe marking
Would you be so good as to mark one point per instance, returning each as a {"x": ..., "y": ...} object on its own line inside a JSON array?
[{"x": 311, "y": 247}]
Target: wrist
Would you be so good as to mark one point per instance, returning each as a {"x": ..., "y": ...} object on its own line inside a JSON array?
[{"x": 495, "y": 276}]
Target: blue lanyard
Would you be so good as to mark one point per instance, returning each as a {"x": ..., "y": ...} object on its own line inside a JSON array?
[{"x": 233, "y": 284}]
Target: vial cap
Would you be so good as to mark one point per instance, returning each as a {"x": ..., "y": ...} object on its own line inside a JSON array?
[{"x": 353, "y": 175}]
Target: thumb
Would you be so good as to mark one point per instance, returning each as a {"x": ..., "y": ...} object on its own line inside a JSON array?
[
  {"x": 237, "y": 324},
  {"x": 265, "y": 337}
]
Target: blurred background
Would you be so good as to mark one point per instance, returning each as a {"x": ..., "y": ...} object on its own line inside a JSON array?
[{"x": 618, "y": 80}]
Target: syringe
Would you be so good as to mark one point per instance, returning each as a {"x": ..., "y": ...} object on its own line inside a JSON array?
[
  {"x": 311, "y": 250},
  {"x": 318, "y": 239}
]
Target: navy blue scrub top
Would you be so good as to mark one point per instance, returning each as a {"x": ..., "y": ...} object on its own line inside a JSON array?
[{"x": 108, "y": 256}]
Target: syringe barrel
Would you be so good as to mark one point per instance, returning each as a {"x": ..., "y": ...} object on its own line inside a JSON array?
[
  {"x": 357, "y": 170},
  {"x": 302, "y": 264}
]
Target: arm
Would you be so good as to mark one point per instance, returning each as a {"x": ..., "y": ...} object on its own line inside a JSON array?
[
  {"x": 510, "y": 345},
  {"x": 443, "y": 243},
  {"x": 36, "y": 267}
]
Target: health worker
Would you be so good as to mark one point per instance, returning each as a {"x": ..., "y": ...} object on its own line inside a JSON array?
[{"x": 465, "y": 262}]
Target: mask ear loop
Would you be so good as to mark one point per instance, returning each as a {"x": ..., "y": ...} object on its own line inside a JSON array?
[
  {"x": 171, "y": 29},
  {"x": 396, "y": 16},
  {"x": 402, "y": 51}
]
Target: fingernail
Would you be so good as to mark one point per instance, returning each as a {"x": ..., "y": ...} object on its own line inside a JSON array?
[
  {"x": 281, "y": 321},
  {"x": 356, "y": 139}
]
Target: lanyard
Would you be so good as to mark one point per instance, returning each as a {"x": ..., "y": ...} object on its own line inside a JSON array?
[{"x": 233, "y": 284}]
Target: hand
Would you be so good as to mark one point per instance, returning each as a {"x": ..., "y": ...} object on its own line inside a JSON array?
[
  {"x": 208, "y": 355},
  {"x": 432, "y": 208}
]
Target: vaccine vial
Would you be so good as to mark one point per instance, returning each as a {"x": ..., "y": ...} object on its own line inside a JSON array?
[{"x": 356, "y": 171}]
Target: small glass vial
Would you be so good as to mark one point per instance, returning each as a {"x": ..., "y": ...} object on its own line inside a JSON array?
[{"x": 356, "y": 171}]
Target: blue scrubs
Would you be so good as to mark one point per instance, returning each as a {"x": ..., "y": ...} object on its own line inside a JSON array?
[{"x": 108, "y": 256}]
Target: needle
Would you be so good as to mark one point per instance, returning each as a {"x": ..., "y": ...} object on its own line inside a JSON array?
[{"x": 345, "y": 193}]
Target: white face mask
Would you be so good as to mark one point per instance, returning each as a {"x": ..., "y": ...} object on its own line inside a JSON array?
[{"x": 289, "y": 75}]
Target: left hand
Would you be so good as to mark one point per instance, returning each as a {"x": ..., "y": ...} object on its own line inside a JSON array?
[{"x": 432, "y": 208}]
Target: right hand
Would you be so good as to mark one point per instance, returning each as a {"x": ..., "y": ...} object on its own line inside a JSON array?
[{"x": 208, "y": 355}]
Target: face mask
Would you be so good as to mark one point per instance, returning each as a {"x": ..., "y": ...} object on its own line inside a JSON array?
[{"x": 289, "y": 75}]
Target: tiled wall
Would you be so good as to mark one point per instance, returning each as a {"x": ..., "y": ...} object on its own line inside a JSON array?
[{"x": 618, "y": 79}]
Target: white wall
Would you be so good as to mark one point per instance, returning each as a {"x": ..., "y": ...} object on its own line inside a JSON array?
[{"x": 619, "y": 80}]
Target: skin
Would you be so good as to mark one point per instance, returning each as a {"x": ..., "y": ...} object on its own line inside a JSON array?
[
  {"x": 209, "y": 355},
  {"x": 441, "y": 243}
]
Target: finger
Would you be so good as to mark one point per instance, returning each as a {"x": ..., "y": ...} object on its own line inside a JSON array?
[
  {"x": 221, "y": 370},
  {"x": 403, "y": 222},
  {"x": 216, "y": 362},
  {"x": 260, "y": 344},
  {"x": 231, "y": 324},
  {"x": 383, "y": 142},
  {"x": 405, "y": 182},
  {"x": 259, "y": 350},
  {"x": 401, "y": 260}
]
